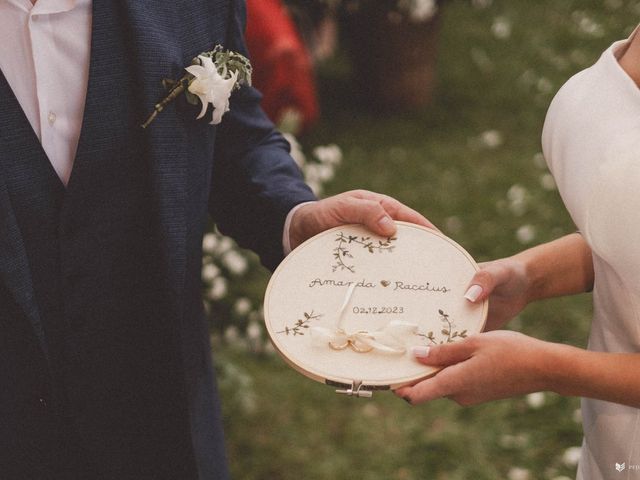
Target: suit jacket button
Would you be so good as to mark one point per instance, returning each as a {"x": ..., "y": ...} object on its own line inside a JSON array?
[{"x": 43, "y": 402}]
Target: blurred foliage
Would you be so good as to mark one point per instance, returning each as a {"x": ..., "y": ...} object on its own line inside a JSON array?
[{"x": 472, "y": 164}]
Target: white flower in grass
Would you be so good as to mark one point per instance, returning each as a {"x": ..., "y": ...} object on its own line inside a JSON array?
[
  {"x": 242, "y": 306},
  {"x": 526, "y": 234},
  {"x": 544, "y": 85},
  {"x": 491, "y": 138},
  {"x": 535, "y": 400},
  {"x": 501, "y": 28},
  {"x": 571, "y": 456},
  {"x": 325, "y": 173},
  {"x": 517, "y": 196},
  {"x": 209, "y": 272},
  {"x": 210, "y": 242},
  {"x": 419, "y": 10},
  {"x": 547, "y": 182},
  {"x": 254, "y": 332},
  {"x": 211, "y": 87},
  {"x": 330, "y": 154},
  {"x": 517, "y": 473},
  {"x": 235, "y": 262},
  {"x": 218, "y": 288},
  {"x": 224, "y": 245}
]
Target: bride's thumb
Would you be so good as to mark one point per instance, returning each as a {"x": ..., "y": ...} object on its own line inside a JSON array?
[{"x": 484, "y": 282}]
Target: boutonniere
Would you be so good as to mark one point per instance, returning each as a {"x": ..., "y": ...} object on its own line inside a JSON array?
[{"x": 210, "y": 79}]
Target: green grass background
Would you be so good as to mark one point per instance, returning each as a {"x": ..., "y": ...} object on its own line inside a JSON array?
[{"x": 279, "y": 424}]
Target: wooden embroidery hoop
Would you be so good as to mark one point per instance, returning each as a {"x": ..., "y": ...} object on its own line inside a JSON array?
[{"x": 407, "y": 273}]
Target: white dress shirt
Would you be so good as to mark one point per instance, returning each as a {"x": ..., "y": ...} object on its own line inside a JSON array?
[{"x": 45, "y": 58}]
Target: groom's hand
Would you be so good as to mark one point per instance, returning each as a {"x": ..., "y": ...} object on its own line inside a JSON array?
[{"x": 373, "y": 210}]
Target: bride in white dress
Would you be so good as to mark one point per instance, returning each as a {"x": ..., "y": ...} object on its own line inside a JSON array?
[{"x": 591, "y": 140}]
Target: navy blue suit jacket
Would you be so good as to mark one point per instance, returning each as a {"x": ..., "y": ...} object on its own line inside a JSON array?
[{"x": 239, "y": 173}]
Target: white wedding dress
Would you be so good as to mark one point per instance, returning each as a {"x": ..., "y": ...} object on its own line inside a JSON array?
[{"x": 591, "y": 141}]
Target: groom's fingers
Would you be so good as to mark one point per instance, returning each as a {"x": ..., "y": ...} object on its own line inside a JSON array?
[
  {"x": 396, "y": 209},
  {"x": 376, "y": 211},
  {"x": 373, "y": 210}
]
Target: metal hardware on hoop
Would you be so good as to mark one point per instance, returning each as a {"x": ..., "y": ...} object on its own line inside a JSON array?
[{"x": 356, "y": 390}]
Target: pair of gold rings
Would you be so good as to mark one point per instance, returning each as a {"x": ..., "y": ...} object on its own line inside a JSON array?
[{"x": 352, "y": 342}]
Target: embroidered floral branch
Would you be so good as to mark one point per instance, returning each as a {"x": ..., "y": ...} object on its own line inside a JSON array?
[
  {"x": 448, "y": 333},
  {"x": 341, "y": 251},
  {"x": 300, "y": 324},
  {"x": 210, "y": 78}
]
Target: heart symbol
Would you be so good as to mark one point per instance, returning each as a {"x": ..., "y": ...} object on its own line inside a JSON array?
[{"x": 385, "y": 283}]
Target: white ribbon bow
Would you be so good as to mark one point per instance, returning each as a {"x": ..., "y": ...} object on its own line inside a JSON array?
[{"x": 390, "y": 339}]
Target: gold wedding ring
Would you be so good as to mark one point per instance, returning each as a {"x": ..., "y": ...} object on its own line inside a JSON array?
[{"x": 352, "y": 342}]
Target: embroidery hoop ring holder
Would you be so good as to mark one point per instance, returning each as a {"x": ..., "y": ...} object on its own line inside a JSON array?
[{"x": 297, "y": 349}]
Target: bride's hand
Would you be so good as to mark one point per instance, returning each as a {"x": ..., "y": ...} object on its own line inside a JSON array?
[
  {"x": 506, "y": 285},
  {"x": 484, "y": 367}
]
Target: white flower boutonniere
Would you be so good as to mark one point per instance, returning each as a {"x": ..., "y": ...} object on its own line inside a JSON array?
[{"x": 210, "y": 79}]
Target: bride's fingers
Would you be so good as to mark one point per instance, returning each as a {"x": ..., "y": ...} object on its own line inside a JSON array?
[
  {"x": 443, "y": 384},
  {"x": 440, "y": 385},
  {"x": 430, "y": 389},
  {"x": 485, "y": 281},
  {"x": 446, "y": 354}
]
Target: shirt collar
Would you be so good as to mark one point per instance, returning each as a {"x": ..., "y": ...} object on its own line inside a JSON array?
[{"x": 44, "y": 7}]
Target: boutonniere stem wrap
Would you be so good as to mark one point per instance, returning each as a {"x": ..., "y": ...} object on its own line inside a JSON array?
[{"x": 210, "y": 79}]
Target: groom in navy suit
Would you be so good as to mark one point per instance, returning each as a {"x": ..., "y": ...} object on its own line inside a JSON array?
[{"x": 105, "y": 368}]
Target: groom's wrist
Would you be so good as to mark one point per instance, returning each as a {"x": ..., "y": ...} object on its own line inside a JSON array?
[{"x": 291, "y": 239}]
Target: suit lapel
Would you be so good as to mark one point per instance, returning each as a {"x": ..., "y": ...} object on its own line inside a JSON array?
[{"x": 17, "y": 140}]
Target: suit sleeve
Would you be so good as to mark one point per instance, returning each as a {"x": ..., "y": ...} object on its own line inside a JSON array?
[{"x": 255, "y": 181}]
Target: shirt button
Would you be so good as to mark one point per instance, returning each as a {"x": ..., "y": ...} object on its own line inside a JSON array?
[{"x": 51, "y": 118}]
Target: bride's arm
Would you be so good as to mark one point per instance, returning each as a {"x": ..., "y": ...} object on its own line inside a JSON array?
[
  {"x": 560, "y": 267},
  {"x": 497, "y": 365}
]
